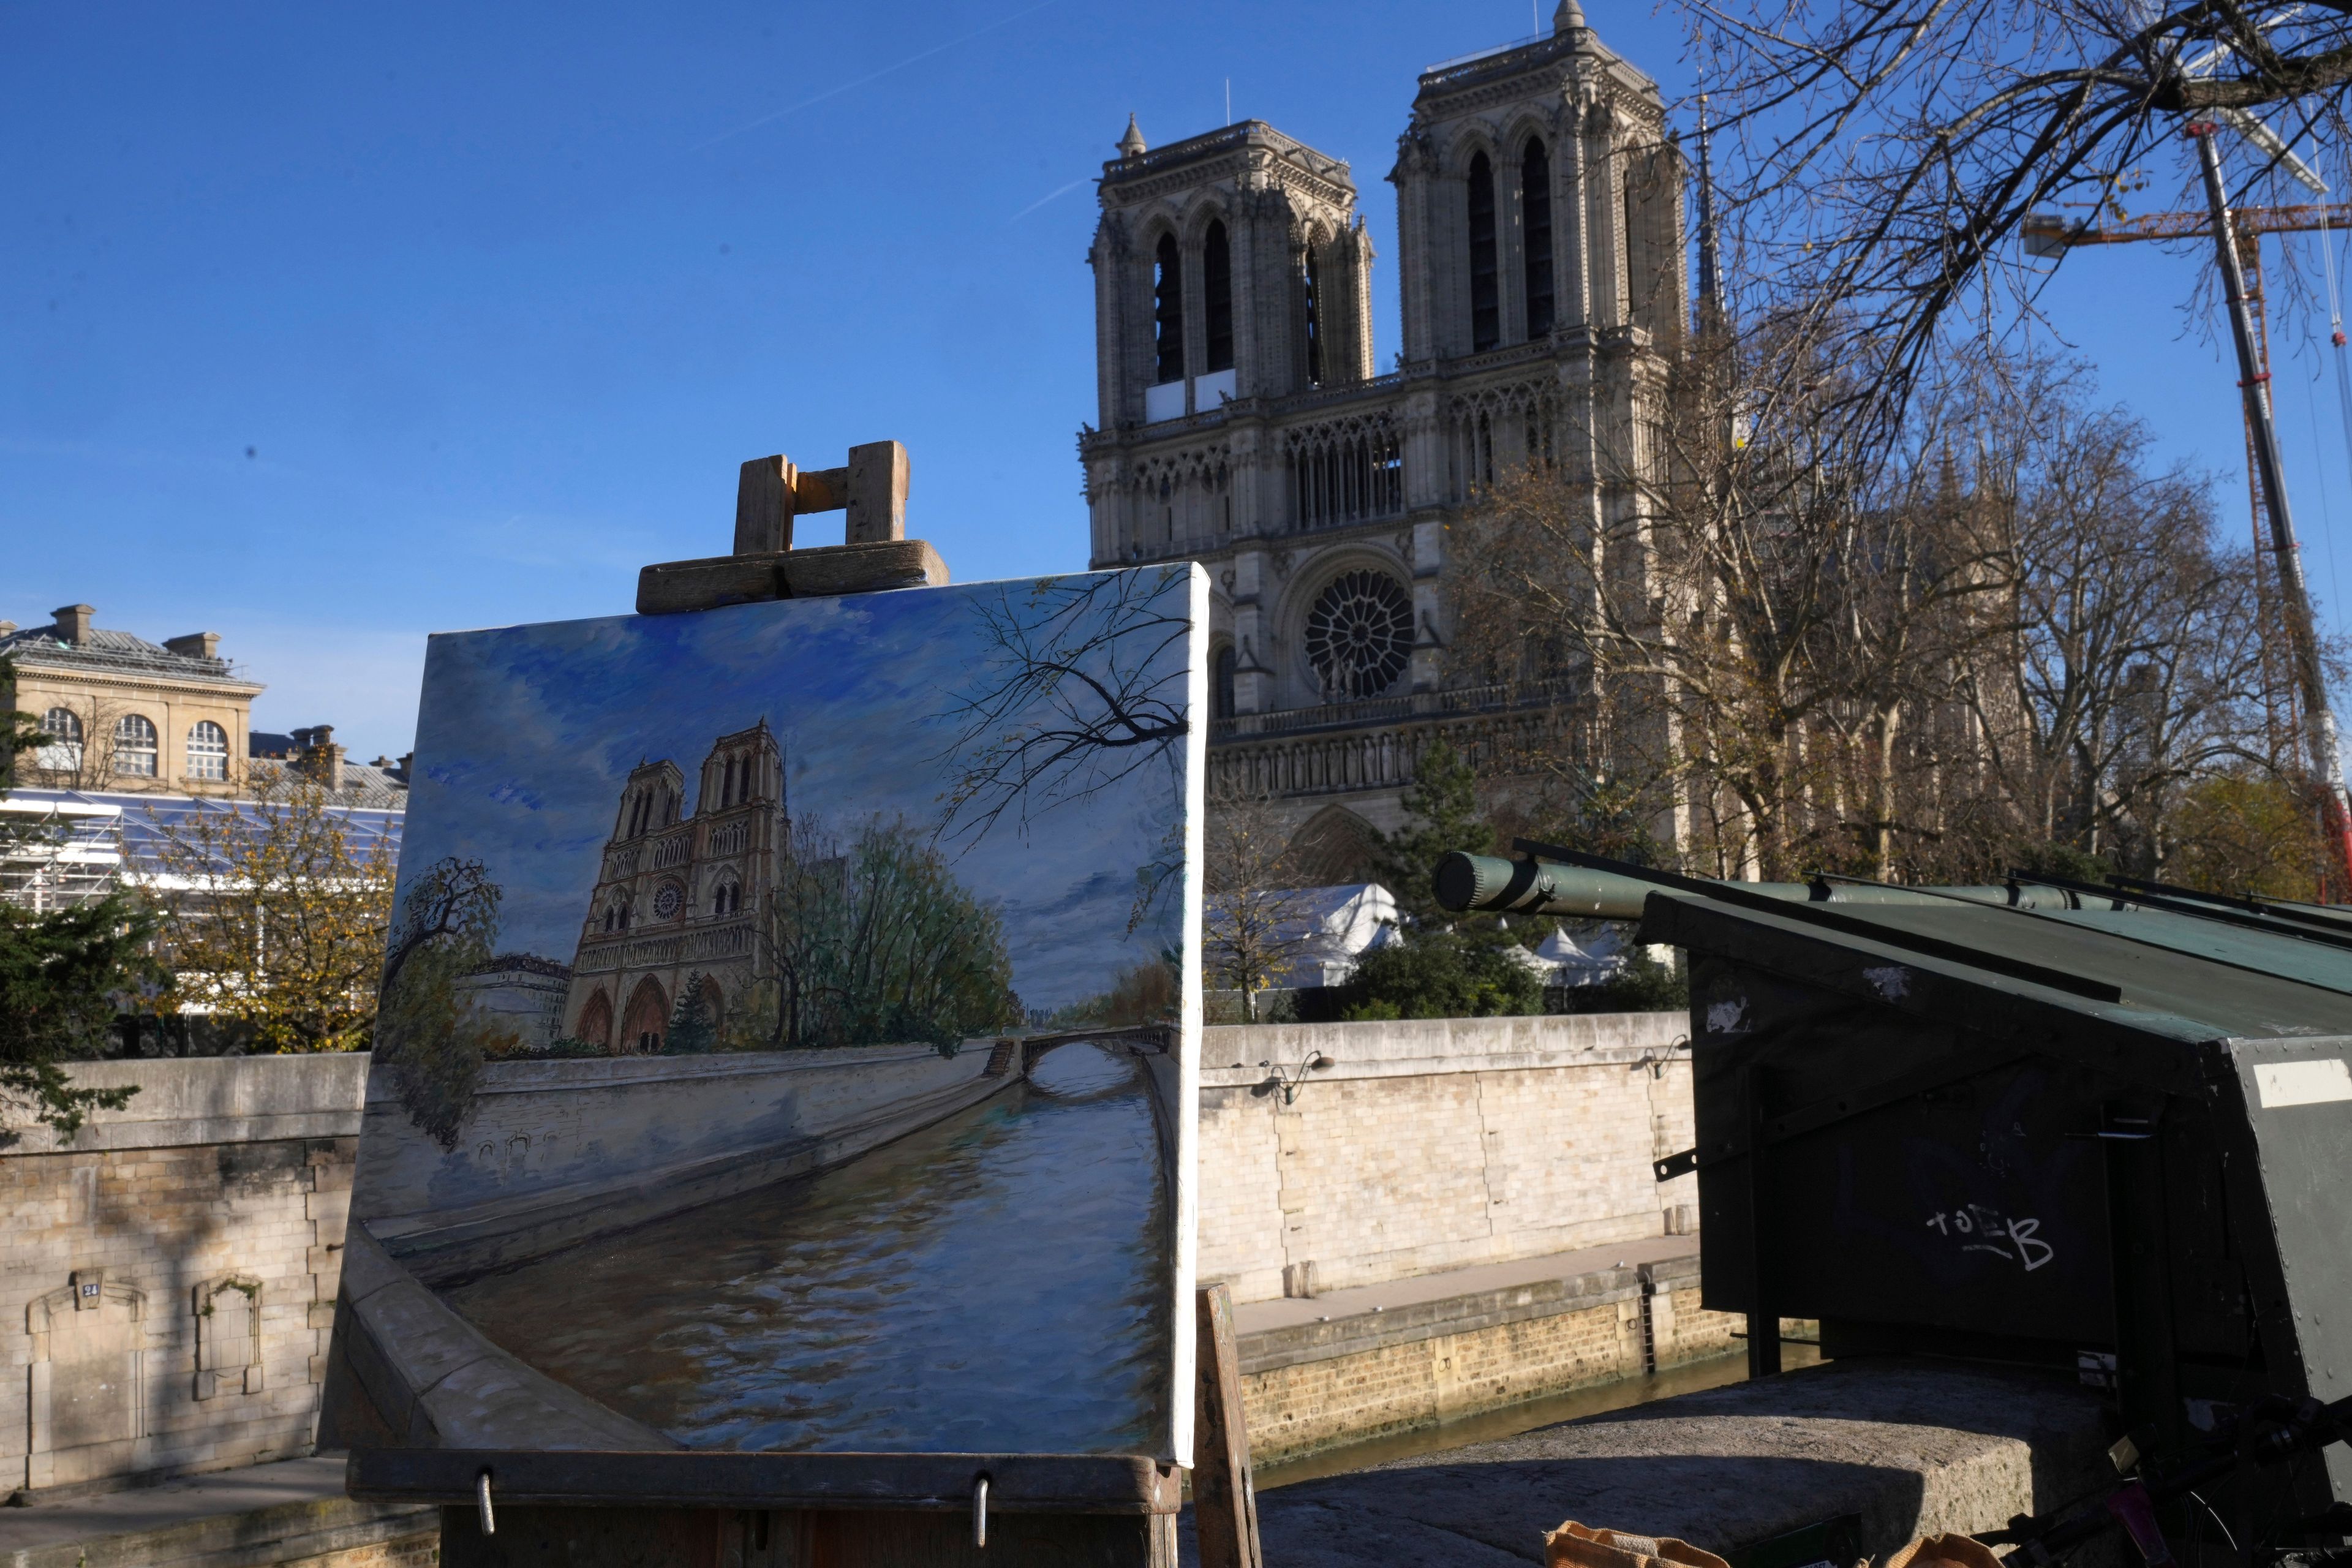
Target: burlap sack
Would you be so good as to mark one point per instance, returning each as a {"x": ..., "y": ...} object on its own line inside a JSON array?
[
  {"x": 1574, "y": 1546},
  {"x": 1945, "y": 1552}
]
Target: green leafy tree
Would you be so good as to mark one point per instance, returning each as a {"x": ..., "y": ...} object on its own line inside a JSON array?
[
  {"x": 1644, "y": 986},
  {"x": 428, "y": 1032},
  {"x": 61, "y": 971},
  {"x": 280, "y": 930},
  {"x": 1443, "y": 975},
  {"x": 1441, "y": 815}
]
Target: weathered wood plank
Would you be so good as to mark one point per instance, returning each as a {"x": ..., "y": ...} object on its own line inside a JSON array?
[
  {"x": 879, "y": 475},
  {"x": 675, "y": 587},
  {"x": 764, "y": 493},
  {"x": 1018, "y": 1483},
  {"x": 863, "y": 568},
  {"x": 1224, "y": 1497},
  {"x": 821, "y": 490}
]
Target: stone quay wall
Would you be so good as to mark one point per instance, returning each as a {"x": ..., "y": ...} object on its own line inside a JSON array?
[
  {"x": 206, "y": 1220},
  {"x": 168, "y": 1276},
  {"x": 1322, "y": 1385},
  {"x": 1435, "y": 1144}
]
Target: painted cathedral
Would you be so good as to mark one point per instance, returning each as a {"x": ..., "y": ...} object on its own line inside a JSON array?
[
  {"x": 1245, "y": 424},
  {"x": 677, "y": 892}
]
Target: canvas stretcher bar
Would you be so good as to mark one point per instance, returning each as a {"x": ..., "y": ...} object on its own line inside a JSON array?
[{"x": 1018, "y": 1483}]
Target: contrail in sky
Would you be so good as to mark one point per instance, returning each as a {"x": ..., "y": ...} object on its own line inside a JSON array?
[
  {"x": 1041, "y": 201},
  {"x": 876, "y": 76}
]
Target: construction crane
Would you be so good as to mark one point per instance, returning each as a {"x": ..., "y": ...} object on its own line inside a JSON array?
[{"x": 2293, "y": 677}]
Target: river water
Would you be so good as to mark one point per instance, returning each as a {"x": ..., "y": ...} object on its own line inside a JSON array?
[{"x": 1000, "y": 1282}]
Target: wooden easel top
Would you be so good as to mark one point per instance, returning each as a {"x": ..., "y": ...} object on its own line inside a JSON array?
[{"x": 769, "y": 493}]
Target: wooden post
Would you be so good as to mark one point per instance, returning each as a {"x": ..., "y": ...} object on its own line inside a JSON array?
[
  {"x": 1224, "y": 1499},
  {"x": 764, "y": 506},
  {"x": 877, "y": 493}
]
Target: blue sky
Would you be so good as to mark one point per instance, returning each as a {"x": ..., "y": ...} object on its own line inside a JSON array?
[
  {"x": 499, "y": 297},
  {"x": 528, "y": 734}
]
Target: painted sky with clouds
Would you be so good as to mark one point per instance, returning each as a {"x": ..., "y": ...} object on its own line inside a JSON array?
[{"x": 527, "y": 736}]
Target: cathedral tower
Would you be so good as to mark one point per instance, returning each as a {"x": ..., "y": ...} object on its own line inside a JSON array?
[{"x": 1244, "y": 423}]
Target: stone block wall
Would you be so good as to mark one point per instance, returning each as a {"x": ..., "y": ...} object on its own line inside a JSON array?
[
  {"x": 167, "y": 1281},
  {"x": 224, "y": 1184},
  {"x": 1438, "y": 1144},
  {"x": 1318, "y": 1386}
]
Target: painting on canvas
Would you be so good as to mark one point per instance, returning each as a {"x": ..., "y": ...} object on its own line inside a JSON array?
[{"x": 786, "y": 1038}]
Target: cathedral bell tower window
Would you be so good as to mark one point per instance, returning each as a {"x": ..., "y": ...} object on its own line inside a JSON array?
[
  {"x": 1485, "y": 284},
  {"x": 1168, "y": 311},
  {"x": 1217, "y": 296},
  {"x": 1312, "y": 288},
  {"x": 1534, "y": 206}
]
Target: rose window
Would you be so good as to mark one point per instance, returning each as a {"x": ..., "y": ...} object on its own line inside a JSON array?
[
  {"x": 666, "y": 901},
  {"x": 1359, "y": 635}
]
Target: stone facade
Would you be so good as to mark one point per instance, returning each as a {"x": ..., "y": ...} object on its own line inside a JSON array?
[
  {"x": 1438, "y": 1144},
  {"x": 677, "y": 892},
  {"x": 123, "y": 713},
  {"x": 167, "y": 1279},
  {"x": 1243, "y": 423}
]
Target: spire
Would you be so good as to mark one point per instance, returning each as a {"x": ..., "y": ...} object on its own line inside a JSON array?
[
  {"x": 1710, "y": 277},
  {"x": 1132, "y": 144},
  {"x": 1569, "y": 16}
]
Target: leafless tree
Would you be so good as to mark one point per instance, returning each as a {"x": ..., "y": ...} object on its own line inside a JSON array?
[
  {"x": 1256, "y": 928},
  {"x": 1759, "y": 602},
  {"x": 1879, "y": 158},
  {"x": 2136, "y": 662},
  {"x": 1914, "y": 657}
]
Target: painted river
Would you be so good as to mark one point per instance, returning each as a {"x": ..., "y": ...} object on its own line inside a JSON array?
[{"x": 1000, "y": 1282}]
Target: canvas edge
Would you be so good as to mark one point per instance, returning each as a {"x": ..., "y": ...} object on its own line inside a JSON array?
[{"x": 1188, "y": 1093}]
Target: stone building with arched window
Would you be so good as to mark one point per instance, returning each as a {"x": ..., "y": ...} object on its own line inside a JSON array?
[
  {"x": 1245, "y": 424},
  {"x": 676, "y": 892}
]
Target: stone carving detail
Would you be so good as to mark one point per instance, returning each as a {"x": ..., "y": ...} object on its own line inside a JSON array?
[
  {"x": 228, "y": 1337},
  {"x": 1359, "y": 635},
  {"x": 87, "y": 1384}
]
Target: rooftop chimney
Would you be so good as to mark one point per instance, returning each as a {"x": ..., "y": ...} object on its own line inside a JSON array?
[
  {"x": 321, "y": 759},
  {"x": 196, "y": 645},
  {"x": 74, "y": 623}
]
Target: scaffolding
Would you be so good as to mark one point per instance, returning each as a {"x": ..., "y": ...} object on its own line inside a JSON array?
[{"x": 58, "y": 853}]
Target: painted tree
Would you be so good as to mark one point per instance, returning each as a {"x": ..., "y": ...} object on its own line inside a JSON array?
[
  {"x": 874, "y": 942},
  {"x": 1081, "y": 689},
  {"x": 692, "y": 1030},
  {"x": 428, "y": 1032}
]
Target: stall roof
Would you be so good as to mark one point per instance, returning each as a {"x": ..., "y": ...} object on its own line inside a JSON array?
[{"x": 2181, "y": 975}]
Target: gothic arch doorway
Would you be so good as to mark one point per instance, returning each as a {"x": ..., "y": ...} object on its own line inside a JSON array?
[
  {"x": 714, "y": 1004},
  {"x": 647, "y": 1019},
  {"x": 1334, "y": 846},
  {"x": 595, "y": 1024}
]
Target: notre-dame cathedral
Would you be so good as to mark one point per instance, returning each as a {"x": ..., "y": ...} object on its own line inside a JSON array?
[{"x": 1244, "y": 423}]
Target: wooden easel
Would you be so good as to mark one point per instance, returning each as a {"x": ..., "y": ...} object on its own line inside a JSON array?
[{"x": 702, "y": 1510}]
